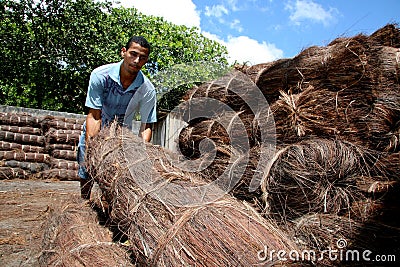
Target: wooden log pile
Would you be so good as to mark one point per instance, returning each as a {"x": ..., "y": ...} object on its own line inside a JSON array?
[{"x": 36, "y": 146}]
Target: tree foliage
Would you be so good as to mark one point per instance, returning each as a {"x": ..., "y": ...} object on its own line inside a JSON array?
[{"x": 48, "y": 49}]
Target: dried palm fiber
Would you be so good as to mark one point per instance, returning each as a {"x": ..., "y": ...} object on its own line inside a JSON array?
[
  {"x": 168, "y": 221},
  {"x": 320, "y": 113},
  {"x": 32, "y": 167},
  {"x": 358, "y": 62},
  {"x": 12, "y": 173},
  {"x": 60, "y": 147},
  {"x": 209, "y": 140},
  {"x": 58, "y": 174},
  {"x": 63, "y": 164},
  {"x": 388, "y": 165},
  {"x": 22, "y": 156},
  {"x": 318, "y": 67},
  {"x": 382, "y": 184},
  {"x": 193, "y": 142},
  {"x": 191, "y": 136},
  {"x": 346, "y": 115},
  {"x": 233, "y": 96},
  {"x": 64, "y": 154},
  {"x": 317, "y": 234},
  {"x": 315, "y": 175},
  {"x": 386, "y": 68},
  {"x": 253, "y": 71},
  {"x": 21, "y": 130},
  {"x": 230, "y": 88},
  {"x": 22, "y": 138},
  {"x": 383, "y": 122},
  {"x": 72, "y": 236},
  {"x": 62, "y": 123},
  {"x": 63, "y": 136},
  {"x": 389, "y": 35},
  {"x": 197, "y": 137},
  {"x": 238, "y": 125},
  {"x": 25, "y": 148}
]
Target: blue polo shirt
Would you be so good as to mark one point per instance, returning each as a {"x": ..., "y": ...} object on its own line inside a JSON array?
[{"x": 105, "y": 92}]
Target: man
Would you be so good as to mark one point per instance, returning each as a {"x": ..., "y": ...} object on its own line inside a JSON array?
[{"x": 116, "y": 91}]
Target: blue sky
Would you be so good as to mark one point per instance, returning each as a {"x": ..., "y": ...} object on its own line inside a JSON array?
[{"x": 260, "y": 31}]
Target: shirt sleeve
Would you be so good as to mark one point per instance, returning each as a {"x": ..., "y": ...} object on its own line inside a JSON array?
[
  {"x": 94, "y": 97},
  {"x": 148, "y": 104}
]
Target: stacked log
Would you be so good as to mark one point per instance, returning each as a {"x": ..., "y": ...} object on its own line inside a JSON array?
[{"x": 38, "y": 146}]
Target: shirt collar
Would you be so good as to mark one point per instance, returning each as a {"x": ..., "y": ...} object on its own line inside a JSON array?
[{"x": 114, "y": 74}]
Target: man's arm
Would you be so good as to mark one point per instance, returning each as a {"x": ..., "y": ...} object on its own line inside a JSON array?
[
  {"x": 145, "y": 131},
  {"x": 93, "y": 122}
]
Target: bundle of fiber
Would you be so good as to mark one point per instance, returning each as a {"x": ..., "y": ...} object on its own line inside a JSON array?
[
  {"x": 10, "y": 173},
  {"x": 318, "y": 234},
  {"x": 227, "y": 100},
  {"x": 63, "y": 136},
  {"x": 345, "y": 63},
  {"x": 64, "y": 154},
  {"x": 32, "y": 167},
  {"x": 389, "y": 165},
  {"x": 64, "y": 164},
  {"x": 214, "y": 166},
  {"x": 253, "y": 71},
  {"x": 22, "y": 156},
  {"x": 72, "y": 236},
  {"x": 388, "y": 35},
  {"x": 20, "y": 119},
  {"x": 42, "y": 139},
  {"x": 25, "y": 148},
  {"x": 347, "y": 115},
  {"x": 58, "y": 122},
  {"x": 21, "y": 130},
  {"x": 229, "y": 125},
  {"x": 316, "y": 175},
  {"x": 22, "y": 138},
  {"x": 52, "y": 147},
  {"x": 383, "y": 123},
  {"x": 173, "y": 217}
]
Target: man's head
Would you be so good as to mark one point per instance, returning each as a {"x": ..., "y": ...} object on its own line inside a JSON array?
[
  {"x": 135, "y": 54},
  {"x": 140, "y": 40}
]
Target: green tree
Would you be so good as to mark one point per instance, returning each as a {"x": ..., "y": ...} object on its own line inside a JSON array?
[{"x": 48, "y": 49}]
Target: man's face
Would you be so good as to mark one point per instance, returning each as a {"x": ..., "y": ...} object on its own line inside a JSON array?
[{"x": 134, "y": 58}]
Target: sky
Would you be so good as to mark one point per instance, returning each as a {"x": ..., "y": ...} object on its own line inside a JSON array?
[{"x": 261, "y": 31}]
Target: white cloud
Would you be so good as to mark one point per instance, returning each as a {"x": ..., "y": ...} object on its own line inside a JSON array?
[
  {"x": 180, "y": 12},
  {"x": 309, "y": 10},
  {"x": 183, "y": 12},
  {"x": 216, "y": 11},
  {"x": 246, "y": 50},
  {"x": 232, "y": 4},
  {"x": 235, "y": 24}
]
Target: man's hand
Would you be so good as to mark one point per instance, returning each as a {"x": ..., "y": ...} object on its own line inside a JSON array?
[{"x": 145, "y": 131}]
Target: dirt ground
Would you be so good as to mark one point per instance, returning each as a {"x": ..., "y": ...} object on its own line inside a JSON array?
[{"x": 24, "y": 206}]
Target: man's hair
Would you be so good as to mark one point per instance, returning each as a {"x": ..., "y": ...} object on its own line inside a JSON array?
[{"x": 140, "y": 40}]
